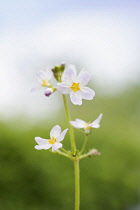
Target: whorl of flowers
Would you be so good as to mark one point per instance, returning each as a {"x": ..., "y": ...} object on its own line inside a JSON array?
[{"x": 72, "y": 83}]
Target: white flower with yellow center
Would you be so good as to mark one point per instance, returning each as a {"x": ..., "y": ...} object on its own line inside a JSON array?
[
  {"x": 87, "y": 126},
  {"x": 75, "y": 85},
  {"x": 44, "y": 78},
  {"x": 56, "y": 136}
]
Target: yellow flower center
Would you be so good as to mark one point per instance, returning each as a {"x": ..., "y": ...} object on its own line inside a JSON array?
[
  {"x": 52, "y": 140},
  {"x": 75, "y": 86},
  {"x": 87, "y": 126},
  {"x": 45, "y": 83}
]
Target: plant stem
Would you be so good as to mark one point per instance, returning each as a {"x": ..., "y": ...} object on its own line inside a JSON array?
[
  {"x": 84, "y": 156},
  {"x": 64, "y": 150},
  {"x": 84, "y": 145},
  {"x": 64, "y": 154},
  {"x": 72, "y": 139},
  {"x": 75, "y": 157},
  {"x": 77, "y": 183}
]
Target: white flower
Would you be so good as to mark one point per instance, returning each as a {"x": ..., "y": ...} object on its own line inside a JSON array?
[
  {"x": 75, "y": 85},
  {"x": 87, "y": 126},
  {"x": 44, "y": 78},
  {"x": 55, "y": 137}
]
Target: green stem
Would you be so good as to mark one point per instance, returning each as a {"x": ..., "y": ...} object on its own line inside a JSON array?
[
  {"x": 84, "y": 156},
  {"x": 77, "y": 184},
  {"x": 75, "y": 159},
  {"x": 64, "y": 154},
  {"x": 72, "y": 139},
  {"x": 84, "y": 145},
  {"x": 64, "y": 150}
]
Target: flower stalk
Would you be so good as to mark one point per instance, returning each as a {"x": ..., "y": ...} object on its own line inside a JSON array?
[
  {"x": 63, "y": 153},
  {"x": 85, "y": 143},
  {"x": 74, "y": 85},
  {"x": 77, "y": 183},
  {"x": 75, "y": 157},
  {"x": 72, "y": 138}
]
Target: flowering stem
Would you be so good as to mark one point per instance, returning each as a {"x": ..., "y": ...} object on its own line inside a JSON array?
[
  {"x": 62, "y": 153},
  {"x": 75, "y": 158},
  {"x": 64, "y": 150},
  {"x": 72, "y": 139},
  {"x": 84, "y": 156},
  {"x": 77, "y": 183},
  {"x": 84, "y": 145}
]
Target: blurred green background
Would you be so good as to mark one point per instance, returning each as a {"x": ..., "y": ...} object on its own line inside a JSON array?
[{"x": 40, "y": 180}]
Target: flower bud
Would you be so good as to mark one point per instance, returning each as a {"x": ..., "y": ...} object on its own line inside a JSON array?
[
  {"x": 94, "y": 152},
  {"x": 48, "y": 91},
  {"x": 58, "y": 71}
]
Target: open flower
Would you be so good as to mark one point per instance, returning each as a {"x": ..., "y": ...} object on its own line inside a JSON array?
[
  {"x": 55, "y": 138},
  {"x": 87, "y": 126},
  {"x": 44, "y": 78},
  {"x": 75, "y": 85}
]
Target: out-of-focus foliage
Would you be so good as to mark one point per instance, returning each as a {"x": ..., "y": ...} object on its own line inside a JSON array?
[{"x": 40, "y": 180}]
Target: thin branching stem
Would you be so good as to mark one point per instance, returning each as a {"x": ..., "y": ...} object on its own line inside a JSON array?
[
  {"x": 75, "y": 157},
  {"x": 85, "y": 143},
  {"x": 77, "y": 183},
  {"x": 72, "y": 138},
  {"x": 63, "y": 153}
]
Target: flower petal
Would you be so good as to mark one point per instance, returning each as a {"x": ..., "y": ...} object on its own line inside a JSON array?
[
  {"x": 62, "y": 135},
  {"x": 56, "y": 146},
  {"x": 95, "y": 123},
  {"x": 78, "y": 123},
  {"x": 42, "y": 75},
  {"x": 40, "y": 140},
  {"x": 55, "y": 131},
  {"x": 87, "y": 93},
  {"x": 45, "y": 75},
  {"x": 76, "y": 98},
  {"x": 64, "y": 88},
  {"x": 84, "y": 77},
  {"x": 36, "y": 88},
  {"x": 45, "y": 146},
  {"x": 43, "y": 143},
  {"x": 69, "y": 74},
  {"x": 49, "y": 74}
]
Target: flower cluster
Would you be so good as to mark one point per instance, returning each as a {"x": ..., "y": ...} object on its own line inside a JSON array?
[
  {"x": 71, "y": 83},
  {"x": 68, "y": 82}
]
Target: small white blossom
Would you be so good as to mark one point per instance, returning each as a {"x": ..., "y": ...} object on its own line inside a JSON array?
[
  {"x": 75, "y": 85},
  {"x": 56, "y": 136},
  {"x": 44, "y": 78},
  {"x": 87, "y": 126}
]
